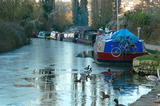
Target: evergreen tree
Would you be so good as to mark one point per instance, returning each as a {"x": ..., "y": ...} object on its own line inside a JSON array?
[
  {"x": 83, "y": 13},
  {"x": 75, "y": 12}
]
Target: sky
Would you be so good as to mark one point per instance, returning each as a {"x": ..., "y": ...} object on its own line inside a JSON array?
[{"x": 56, "y": 0}]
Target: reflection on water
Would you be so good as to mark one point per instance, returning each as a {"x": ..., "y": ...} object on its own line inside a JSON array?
[
  {"x": 86, "y": 54},
  {"x": 90, "y": 54},
  {"x": 77, "y": 87},
  {"x": 24, "y": 80}
]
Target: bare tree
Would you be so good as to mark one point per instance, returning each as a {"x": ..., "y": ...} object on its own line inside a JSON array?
[{"x": 95, "y": 14}]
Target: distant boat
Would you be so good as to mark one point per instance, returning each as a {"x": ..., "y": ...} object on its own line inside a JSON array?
[
  {"x": 110, "y": 46},
  {"x": 88, "y": 36},
  {"x": 41, "y": 34},
  {"x": 66, "y": 36},
  {"x": 44, "y": 35}
]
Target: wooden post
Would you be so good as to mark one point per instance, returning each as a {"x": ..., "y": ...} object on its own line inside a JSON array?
[{"x": 158, "y": 96}]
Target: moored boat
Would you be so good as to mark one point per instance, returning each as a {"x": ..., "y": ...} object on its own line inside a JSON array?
[
  {"x": 88, "y": 36},
  {"x": 118, "y": 46},
  {"x": 41, "y": 34},
  {"x": 66, "y": 36}
]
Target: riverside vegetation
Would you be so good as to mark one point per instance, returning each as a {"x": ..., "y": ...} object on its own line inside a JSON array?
[{"x": 12, "y": 36}]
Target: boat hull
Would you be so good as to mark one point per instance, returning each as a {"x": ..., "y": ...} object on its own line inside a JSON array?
[
  {"x": 104, "y": 56},
  {"x": 84, "y": 41}
]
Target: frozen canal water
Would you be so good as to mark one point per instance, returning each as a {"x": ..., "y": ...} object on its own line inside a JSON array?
[{"x": 45, "y": 73}]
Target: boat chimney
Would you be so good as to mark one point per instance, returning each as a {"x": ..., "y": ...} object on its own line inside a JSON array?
[
  {"x": 124, "y": 21},
  {"x": 138, "y": 28}
]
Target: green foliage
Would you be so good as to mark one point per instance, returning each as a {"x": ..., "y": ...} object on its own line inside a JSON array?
[
  {"x": 83, "y": 13},
  {"x": 15, "y": 10},
  {"x": 138, "y": 18},
  {"x": 146, "y": 17},
  {"x": 29, "y": 28},
  {"x": 11, "y": 36},
  {"x": 25, "y": 11},
  {"x": 75, "y": 12}
]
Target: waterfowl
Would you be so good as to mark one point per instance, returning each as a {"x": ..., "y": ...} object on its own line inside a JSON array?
[
  {"x": 111, "y": 80},
  {"x": 86, "y": 68},
  {"x": 117, "y": 103},
  {"x": 88, "y": 76},
  {"x": 89, "y": 70},
  {"x": 50, "y": 73},
  {"x": 77, "y": 80},
  {"x": 116, "y": 88},
  {"x": 109, "y": 71},
  {"x": 152, "y": 77},
  {"x": 104, "y": 96},
  {"x": 52, "y": 64},
  {"x": 94, "y": 62},
  {"x": 155, "y": 56}
]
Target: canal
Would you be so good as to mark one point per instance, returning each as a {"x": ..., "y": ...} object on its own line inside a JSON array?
[{"x": 47, "y": 73}]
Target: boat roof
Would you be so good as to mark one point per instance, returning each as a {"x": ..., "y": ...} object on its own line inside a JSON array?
[
  {"x": 116, "y": 36},
  {"x": 125, "y": 33}
]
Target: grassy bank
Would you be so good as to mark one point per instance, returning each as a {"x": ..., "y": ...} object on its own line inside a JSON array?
[{"x": 150, "y": 56}]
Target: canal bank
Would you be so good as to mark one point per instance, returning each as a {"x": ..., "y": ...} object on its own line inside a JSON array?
[{"x": 150, "y": 98}]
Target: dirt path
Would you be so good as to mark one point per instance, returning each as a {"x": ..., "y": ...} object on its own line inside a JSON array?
[{"x": 152, "y": 47}]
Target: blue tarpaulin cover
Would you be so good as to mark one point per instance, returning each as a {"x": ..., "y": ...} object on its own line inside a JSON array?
[{"x": 124, "y": 33}]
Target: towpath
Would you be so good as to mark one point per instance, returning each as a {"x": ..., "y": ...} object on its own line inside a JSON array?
[{"x": 152, "y": 47}]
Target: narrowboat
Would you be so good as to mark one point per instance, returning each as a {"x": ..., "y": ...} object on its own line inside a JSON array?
[
  {"x": 66, "y": 36},
  {"x": 88, "y": 36},
  {"x": 41, "y": 34},
  {"x": 121, "y": 46}
]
